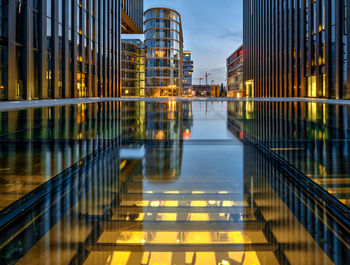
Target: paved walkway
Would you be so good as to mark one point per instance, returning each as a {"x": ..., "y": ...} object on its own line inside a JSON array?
[{"x": 25, "y": 104}]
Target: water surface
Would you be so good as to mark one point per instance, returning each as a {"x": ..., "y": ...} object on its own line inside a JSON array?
[{"x": 173, "y": 182}]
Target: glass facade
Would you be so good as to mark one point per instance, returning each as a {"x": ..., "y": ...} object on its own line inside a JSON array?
[
  {"x": 133, "y": 68},
  {"x": 296, "y": 48},
  {"x": 164, "y": 59},
  {"x": 63, "y": 49}
]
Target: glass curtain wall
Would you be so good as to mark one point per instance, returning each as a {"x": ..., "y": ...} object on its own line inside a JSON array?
[
  {"x": 164, "y": 63},
  {"x": 296, "y": 48},
  {"x": 59, "y": 49}
]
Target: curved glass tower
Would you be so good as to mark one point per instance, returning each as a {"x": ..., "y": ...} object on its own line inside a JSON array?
[{"x": 164, "y": 63}]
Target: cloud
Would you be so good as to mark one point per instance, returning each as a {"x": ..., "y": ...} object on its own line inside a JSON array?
[
  {"x": 231, "y": 34},
  {"x": 218, "y": 70}
]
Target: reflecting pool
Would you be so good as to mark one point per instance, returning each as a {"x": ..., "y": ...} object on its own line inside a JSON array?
[{"x": 175, "y": 182}]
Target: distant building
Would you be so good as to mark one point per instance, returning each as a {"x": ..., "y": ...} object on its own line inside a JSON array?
[
  {"x": 234, "y": 65},
  {"x": 133, "y": 68},
  {"x": 164, "y": 62},
  {"x": 201, "y": 90},
  {"x": 187, "y": 71}
]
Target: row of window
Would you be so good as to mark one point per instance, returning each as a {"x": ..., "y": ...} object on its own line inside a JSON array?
[
  {"x": 162, "y": 73},
  {"x": 162, "y": 13},
  {"x": 169, "y": 82},
  {"x": 162, "y": 33},
  {"x": 162, "y": 23},
  {"x": 163, "y": 43},
  {"x": 163, "y": 53},
  {"x": 163, "y": 63}
]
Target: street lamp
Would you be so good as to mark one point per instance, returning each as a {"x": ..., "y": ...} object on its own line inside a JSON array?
[{"x": 172, "y": 87}]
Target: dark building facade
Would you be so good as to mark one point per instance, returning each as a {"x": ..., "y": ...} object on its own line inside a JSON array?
[
  {"x": 53, "y": 49},
  {"x": 296, "y": 48},
  {"x": 132, "y": 16}
]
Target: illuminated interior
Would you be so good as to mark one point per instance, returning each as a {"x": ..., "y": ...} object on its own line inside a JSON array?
[{"x": 249, "y": 86}]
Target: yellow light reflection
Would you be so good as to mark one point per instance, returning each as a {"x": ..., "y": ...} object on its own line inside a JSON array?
[
  {"x": 142, "y": 203},
  {"x": 165, "y": 237},
  {"x": 160, "y": 135},
  {"x": 198, "y": 192},
  {"x": 145, "y": 257},
  {"x": 189, "y": 257},
  {"x": 120, "y": 258},
  {"x": 206, "y": 258},
  {"x": 161, "y": 258},
  {"x": 199, "y": 217},
  {"x": 122, "y": 164},
  {"x": 250, "y": 257},
  {"x": 155, "y": 204},
  {"x": 228, "y": 203},
  {"x": 212, "y": 202},
  {"x": 135, "y": 203},
  {"x": 132, "y": 237},
  {"x": 198, "y": 238},
  {"x": 172, "y": 192},
  {"x": 171, "y": 203},
  {"x": 237, "y": 237},
  {"x": 141, "y": 217},
  {"x": 167, "y": 216},
  {"x": 199, "y": 204}
]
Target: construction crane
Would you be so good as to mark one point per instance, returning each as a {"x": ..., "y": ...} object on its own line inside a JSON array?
[
  {"x": 200, "y": 80},
  {"x": 206, "y": 77}
]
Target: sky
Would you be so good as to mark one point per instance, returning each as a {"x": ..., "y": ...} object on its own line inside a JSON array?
[{"x": 213, "y": 30}]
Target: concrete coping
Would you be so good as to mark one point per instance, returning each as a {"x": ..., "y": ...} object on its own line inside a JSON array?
[{"x": 26, "y": 104}]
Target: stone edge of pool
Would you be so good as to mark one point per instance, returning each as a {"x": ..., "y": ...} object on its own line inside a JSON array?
[{"x": 26, "y": 104}]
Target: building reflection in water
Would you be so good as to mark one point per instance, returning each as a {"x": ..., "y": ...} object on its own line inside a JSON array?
[
  {"x": 165, "y": 126},
  {"x": 157, "y": 197},
  {"x": 313, "y": 137},
  {"x": 38, "y": 144}
]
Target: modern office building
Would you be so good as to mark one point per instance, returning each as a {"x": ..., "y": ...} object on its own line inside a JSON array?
[
  {"x": 164, "y": 58},
  {"x": 234, "y": 65},
  {"x": 63, "y": 49},
  {"x": 296, "y": 48},
  {"x": 187, "y": 71},
  {"x": 133, "y": 68}
]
